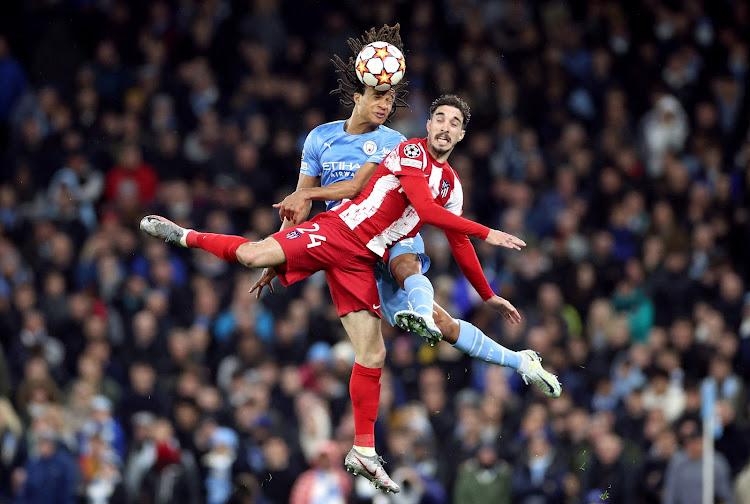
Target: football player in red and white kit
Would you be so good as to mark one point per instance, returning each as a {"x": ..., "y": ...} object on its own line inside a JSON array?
[{"x": 414, "y": 185}]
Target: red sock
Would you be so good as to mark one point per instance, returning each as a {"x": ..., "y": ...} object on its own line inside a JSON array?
[
  {"x": 364, "y": 389},
  {"x": 222, "y": 246}
]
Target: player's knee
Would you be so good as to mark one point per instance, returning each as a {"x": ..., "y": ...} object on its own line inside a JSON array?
[
  {"x": 247, "y": 255},
  {"x": 373, "y": 356},
  {"x": 404, "y": 266},
  {"x": 378, "y": 357}
]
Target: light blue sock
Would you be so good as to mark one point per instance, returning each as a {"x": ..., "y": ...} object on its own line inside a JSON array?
[
  {"x": 476, "y": 344},
  {"x": 421, "y": 294}
]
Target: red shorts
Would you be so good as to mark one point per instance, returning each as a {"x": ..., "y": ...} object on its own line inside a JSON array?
[{"x": 326, "y": 243}]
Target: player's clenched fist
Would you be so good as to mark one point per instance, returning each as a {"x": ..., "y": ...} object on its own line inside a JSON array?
[{"x": 504, "y": 240}]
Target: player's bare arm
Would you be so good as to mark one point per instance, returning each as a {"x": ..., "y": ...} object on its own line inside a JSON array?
[
  {"x": 303, "y": 182},
  {"x": 296, "y": 207}
]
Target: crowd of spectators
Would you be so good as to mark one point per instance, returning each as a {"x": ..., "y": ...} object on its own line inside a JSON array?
[{"x": 613, "y": 137}]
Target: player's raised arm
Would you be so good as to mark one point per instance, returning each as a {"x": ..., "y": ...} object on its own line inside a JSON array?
[{"x": 293, "y": 206}]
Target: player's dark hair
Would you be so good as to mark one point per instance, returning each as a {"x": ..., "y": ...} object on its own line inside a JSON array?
[
  {"x": 453, "y": 101},
  {"x": 348, "y": 81}
]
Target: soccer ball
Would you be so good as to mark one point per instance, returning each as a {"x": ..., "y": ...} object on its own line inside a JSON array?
[{"x": 380, "y": 65}]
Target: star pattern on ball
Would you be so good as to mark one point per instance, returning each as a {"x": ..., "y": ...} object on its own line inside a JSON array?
[
  {"x": 384, "y": 77},
  {"x": 380, "y": 65},
  {"x": 382, "y": 52}
]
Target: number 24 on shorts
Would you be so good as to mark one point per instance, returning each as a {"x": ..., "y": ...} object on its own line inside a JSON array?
[{"x": 315, "y": 239}]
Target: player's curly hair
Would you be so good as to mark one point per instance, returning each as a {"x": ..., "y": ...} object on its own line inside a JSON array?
[
  {"x": 453, "y": 101},
  {"x": 348, "y": 81}
]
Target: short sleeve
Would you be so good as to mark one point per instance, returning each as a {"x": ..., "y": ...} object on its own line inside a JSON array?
[
  {"x": 310, "y": 164},
  {"x": 391, "y": 142},
  {"x": 408, "y": 159}
]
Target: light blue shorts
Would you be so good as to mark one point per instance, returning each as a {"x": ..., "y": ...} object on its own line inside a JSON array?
[{"x": 392, "y": 297}]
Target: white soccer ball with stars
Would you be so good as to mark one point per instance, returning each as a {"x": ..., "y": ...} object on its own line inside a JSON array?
[{"x": 380, "y": 65}]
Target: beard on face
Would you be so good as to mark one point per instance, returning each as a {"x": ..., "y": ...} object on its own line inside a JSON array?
[{"x": 441, "y": 148}]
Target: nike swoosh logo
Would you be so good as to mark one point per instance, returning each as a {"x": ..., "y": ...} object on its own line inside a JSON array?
[
  {"x": 551, "y": 388},
  {"x": 375, "y": 307},
  {"x": 365, "y": 467}
]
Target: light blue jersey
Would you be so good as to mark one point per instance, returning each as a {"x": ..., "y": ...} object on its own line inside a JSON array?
[{"x": 334, "y": 155}]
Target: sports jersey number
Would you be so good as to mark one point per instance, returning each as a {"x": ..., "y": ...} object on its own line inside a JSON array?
[
  {"x": 316, "y": 240},
  {"x": 315, "y": 227}
]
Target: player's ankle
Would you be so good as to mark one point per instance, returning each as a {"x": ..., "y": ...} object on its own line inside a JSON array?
[
  {"x": 189, "y": 238},
  {"x": 367, "y": 451},
  {"x": 426, "y": 314}
]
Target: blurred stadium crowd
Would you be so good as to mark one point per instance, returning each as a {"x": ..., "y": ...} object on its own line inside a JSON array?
[{"x": 612, "y": 137}]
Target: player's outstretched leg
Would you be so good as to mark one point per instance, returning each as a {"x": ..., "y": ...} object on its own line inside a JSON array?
[{"x": 473, "y": 342}]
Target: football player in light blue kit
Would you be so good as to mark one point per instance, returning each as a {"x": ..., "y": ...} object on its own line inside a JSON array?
[{"x": 338, "y": 159}]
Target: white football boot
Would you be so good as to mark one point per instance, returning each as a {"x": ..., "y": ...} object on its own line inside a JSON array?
[
  {"x": 371, "y": 468},
  {"x": 531, "y": 370}
]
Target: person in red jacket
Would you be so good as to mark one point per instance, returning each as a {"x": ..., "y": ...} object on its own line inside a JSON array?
[{"x": 132, "y": 173}]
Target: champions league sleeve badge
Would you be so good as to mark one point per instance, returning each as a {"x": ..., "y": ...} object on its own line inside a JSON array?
[{"x": 412, "y": 150}]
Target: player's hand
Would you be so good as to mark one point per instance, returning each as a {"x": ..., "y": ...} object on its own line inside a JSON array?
[
  {"x": 265, "y": 279},
  {"x": 504, "y": 308},
  {"x": 504, "y": 240},
  {"x": 294, "y": 207}
]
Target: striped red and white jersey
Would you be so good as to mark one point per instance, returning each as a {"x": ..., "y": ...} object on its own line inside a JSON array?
[{"x": 381, "y": 214}]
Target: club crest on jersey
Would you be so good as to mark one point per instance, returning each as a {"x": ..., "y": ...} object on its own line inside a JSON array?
[
  {"x": 291, "y": 235},
  {"x": 412, "y": 150},
  {"x": 370, "y": 147},
  {"x": 444, "y": 188}
]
